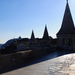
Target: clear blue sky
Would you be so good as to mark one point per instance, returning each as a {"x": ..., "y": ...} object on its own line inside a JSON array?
[{"x": 19, "y": 17}]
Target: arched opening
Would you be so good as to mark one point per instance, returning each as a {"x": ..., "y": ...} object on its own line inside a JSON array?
[
  {"x": 64, "y": 42},
  {"x": 70, "y": 42}
]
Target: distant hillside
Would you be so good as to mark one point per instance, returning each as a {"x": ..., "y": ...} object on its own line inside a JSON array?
[
  {"x": 0, "y": 45},
  {"x": 7, "y": 43}
]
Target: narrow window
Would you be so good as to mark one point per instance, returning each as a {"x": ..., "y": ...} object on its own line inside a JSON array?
[
  {"x": 64, "y": 42},
  {"x": 70, "y": 42}
]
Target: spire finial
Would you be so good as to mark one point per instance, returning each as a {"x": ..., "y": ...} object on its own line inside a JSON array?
[
  {"x": 45, "y": 24},
  {"x": 67, "y": 0}
]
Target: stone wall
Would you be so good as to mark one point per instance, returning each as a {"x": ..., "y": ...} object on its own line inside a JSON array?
[
  {"x": 40, "y": 52},
  {"x": 67, "y": 37},
  {"x": 20, "y": 57},
  {"x": 13, "y": 59}
]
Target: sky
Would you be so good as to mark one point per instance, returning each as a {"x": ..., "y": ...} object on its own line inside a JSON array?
[{"x": 20, "y": 17}]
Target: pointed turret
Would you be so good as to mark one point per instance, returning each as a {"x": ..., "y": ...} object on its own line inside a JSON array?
[
  {"x": 67, "y": 23},
  {"x": 32, "y": 36},
  {"x": 45, "y": 36}
]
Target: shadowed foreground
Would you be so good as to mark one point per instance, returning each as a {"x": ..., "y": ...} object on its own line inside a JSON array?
[{"x": 56, "y": 63}]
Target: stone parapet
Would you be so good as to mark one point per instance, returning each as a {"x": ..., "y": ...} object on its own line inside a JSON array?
[{"x": 9, "y": 60}]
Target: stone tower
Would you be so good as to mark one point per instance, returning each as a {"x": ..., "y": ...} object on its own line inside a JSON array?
[
  {"x": 66, "y": 34},
  {"x": 32, "y": 36},
  {"x": 45, "y": 35}
]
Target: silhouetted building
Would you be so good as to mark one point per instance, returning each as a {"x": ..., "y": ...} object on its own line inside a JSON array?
[
  {"x": 45, "y": 35},
  {"x": 65, "y": 38},
  {"x": 66, "y": 34},
  {"x": 32, "y": 36}
]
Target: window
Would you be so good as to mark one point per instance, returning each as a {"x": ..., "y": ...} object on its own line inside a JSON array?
[
  {"x": 70, "y": 42},
  {"x": 64, "y": 41}
]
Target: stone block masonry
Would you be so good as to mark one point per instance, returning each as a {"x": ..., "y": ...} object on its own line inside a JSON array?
[{"x": 13, "y": 59}]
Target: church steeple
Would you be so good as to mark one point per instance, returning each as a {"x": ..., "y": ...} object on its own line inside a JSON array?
[
  {"x": 45, "y": 36},
  {"x": 32, "y": 36},
  {"x": 67, "y": 23}
]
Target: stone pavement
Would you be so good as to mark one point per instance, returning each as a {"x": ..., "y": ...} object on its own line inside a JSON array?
[{"x": 58, "y": 65}]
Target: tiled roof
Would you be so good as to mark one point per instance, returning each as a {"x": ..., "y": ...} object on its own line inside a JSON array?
[
  {"x": 67, "y": 23},
  {"x": 32, "y": 36},
  {"x": 45, "y": 36}
]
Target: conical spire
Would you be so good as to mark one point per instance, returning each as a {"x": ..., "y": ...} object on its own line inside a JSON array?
[
  {"x": 45, "y": 36},
  {"x": 32, "y": 36},
  {"x": 67, "y": 23}
]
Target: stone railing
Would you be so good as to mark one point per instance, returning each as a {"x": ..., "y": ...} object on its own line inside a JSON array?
[{"x": 9, "y": 60}]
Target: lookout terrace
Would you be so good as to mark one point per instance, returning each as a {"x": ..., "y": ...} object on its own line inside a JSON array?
[{"x": 21, "y": 50}]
